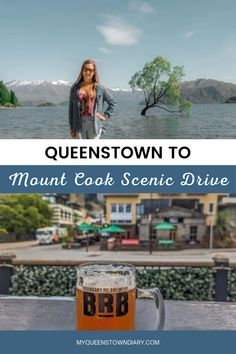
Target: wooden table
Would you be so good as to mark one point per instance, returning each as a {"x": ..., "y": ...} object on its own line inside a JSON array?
[{"x": 54, "y": 313}]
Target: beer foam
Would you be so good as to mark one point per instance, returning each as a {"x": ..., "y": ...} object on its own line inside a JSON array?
[{"x": 104, "y": 277}]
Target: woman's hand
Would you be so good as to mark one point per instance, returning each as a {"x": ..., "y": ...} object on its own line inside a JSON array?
[
  {"x": 101, "y": 116},
  {"x": 73, "y": 134}
]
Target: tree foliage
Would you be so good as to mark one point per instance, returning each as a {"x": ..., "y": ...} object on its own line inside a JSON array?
[
  {"x": 7, "y": 98},
  {"x": 161, "y": 86},
  {"x": 223, "y": 228},
  {"x": 24, "y": 213},
  {"x": 13, "y": 98},
  {"x": 4, "y": 94}
]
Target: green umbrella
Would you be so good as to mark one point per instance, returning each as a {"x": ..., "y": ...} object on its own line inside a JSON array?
[
  {"x": 164, "y": 226},
  {"x": 96, "y": 228},
  {"x": 85, "y": 227},
  {"x": 113, "y": 229}
]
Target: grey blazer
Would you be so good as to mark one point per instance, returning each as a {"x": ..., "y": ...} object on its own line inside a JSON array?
[{"x": 102, "y": 95}]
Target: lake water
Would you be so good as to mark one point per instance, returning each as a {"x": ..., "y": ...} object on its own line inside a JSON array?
[{"x": 206, "y": 121}]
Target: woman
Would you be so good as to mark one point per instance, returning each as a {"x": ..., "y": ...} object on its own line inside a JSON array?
[{"x": 87, "y": 98}]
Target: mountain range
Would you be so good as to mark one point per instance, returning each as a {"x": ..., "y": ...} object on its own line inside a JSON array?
[
  {"x": 33, "y": 93},
  {"x": 208, "y": 91}
]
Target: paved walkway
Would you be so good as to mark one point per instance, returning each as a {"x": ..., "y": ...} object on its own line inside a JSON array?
[
  {"x": 15, "y": 245},
  {"x": 29, "y": 250}
]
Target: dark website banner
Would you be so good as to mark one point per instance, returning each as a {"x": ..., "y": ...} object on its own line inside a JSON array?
[
  {"x": 118, "y": 179},
  {"x": 118, "y": 342}
]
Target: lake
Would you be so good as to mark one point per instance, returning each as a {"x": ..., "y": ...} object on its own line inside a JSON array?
[{"x": 206, "y": 121}]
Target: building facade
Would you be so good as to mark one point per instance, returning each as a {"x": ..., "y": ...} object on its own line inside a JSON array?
[
  {"x": 65, "y": 212},
  {"x": 228, "y": 207},
  {"x": 194, "y": 215}
]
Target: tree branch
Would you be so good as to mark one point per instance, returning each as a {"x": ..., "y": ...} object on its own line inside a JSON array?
[
  {"x": 166, "y": 109},
  {"x": 161, "y": 94},
  {"x": 166, "y": 89},
  {"x": 146, "y": 100},
  {"x": 154, "y": 88}
]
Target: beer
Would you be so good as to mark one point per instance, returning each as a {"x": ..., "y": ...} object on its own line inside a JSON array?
[
  {"x": 105, "y": 297},
  {"x": 106, "y": 310}
]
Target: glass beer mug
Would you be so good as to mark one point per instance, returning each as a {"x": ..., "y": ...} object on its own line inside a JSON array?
[{"x": 106, "y": 296}]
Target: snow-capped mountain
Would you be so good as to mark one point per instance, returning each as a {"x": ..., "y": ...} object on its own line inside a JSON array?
[
  {"x": 120, "y": 89},
  {"x": 61, "y": 83},
  {"x": 32, "y": 93},
  {"x": 15, "y": 83}
]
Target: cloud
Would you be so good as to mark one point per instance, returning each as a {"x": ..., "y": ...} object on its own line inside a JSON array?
[
  {"x": 117, "y": 32},
  {"x": 143, "y": 7},
  {"x": 146, "y": 8},
  {"x": 105, "y": 50},
  {"x": 189, "y": 34}
]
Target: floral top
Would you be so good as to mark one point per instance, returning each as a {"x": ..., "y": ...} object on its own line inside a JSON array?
[{"x": 86, "y": 108}]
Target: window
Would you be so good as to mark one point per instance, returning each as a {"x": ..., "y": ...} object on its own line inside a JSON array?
[
  {"x": 113, "y": 208},
  {"x": 173, "y": 220},
  {"x": 139, "y": 209},
  {"x": 193, "y": 233},
  {"x": 210, "y": 207},
  {"x": 128, "y": 208},
  {"x": 121, "y": 208}
]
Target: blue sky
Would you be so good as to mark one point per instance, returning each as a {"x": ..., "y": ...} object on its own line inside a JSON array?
[{"x": 48, "y": 40}]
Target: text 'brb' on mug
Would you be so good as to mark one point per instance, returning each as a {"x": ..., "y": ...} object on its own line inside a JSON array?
[{"x": 106, "y": 296}]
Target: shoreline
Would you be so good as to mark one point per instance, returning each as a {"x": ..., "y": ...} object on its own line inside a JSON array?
[{"x": 3, "y": 107}]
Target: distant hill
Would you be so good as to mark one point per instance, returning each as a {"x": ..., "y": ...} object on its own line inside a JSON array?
[
  {"x": 63, "y": 103},
  {"x": 40, "y": 91},
  {"x": 208, "y": 91},
  {"x": 46, "y": 104},
  {"x": 34, "y": 93},
  {"x": 231, "y": 100}
]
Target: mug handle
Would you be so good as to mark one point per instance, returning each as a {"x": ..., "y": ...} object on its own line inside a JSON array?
[{"x": 154, "y": 294}]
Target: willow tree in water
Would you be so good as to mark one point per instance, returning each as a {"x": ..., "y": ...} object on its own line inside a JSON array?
[{"x": 161, "y": 86}]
